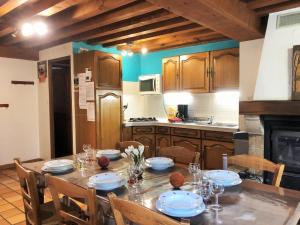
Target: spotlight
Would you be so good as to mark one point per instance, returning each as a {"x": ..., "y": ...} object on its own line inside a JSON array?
[
  {"x": 27, "y": 29},
  {"x": 144, "y": 50}
]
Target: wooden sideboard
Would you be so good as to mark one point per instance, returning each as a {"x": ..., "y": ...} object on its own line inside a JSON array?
[{"x": 210, "y": 144}]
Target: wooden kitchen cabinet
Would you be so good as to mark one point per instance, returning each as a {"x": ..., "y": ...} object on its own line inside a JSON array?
[
  {"x": 190, "y": 143},
  {"x": 162, "y": 141},
  {"x": 108, "y": 71},
  {"x": 127, "y": 133},
  {"x": 194, "y": 75},
  {"x": 146, "y": 139},
  {"x": 170, "y": 70},
  {"x": 212, "y": 153},
  {"x": 224, "y": 70},
  {"x": 109, "y": 120}
]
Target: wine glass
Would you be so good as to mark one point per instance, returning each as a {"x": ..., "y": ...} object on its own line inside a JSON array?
[
  {"x": 194, "y": 170},
  {"x": 205, "y": 189},
  {"x": 217, "y": 189}
]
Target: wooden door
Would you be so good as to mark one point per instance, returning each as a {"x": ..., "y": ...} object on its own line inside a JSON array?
[
  {"x": 109, "y": 71},
  {"x": 170, "y": 70},
  {"x": 146, "y": 139},
  {"x": 194, "y": 72},
  {"x": 109, "y": 120},
  {"x": 162, "y": 141},
  {"x": 224, "y": 69},
  {"x": 190, "y": 143},
  {"x": 212, "y": 153}
]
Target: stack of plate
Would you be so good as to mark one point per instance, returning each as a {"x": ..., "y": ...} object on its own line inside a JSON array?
[
  {"x": 180, "y": 203},
  {"x": 224, "y": 177},
  {"x": 58, "y": 166},
  {"x": 109, "y": 153},
  {"x": 159, "y": 163},
  {"x": 106, "y": 181}
]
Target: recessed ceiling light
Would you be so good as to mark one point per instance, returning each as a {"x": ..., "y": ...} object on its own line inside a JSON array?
[
  {"x": 130, "y": 53},
  {"x": 40, "y": 28},
  {"x": 144, "y": 50},
  {"x": 123, "y": 52},
  {"x": 27, "y": 29}
]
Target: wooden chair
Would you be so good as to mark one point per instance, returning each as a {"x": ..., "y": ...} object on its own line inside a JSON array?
[
  {"x": 136, "y": 213},
  {"x": 180, "y": 155},
  {"x": 258, "y": 163},
  {"x": 59, "y": 187},
  {"x": 35, "y": 213},
  {"x": 125, "y": 144}
]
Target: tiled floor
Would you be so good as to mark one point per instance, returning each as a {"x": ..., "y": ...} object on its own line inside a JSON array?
[{"x": 11, "y": 203}]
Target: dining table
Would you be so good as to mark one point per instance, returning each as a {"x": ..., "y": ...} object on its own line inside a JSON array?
[{"x": 249, "y": 203}]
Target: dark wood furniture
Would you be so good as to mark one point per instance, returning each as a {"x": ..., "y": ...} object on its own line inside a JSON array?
[
  {"x": 136, "y": 213},
  {"x": 296, "y": 73},
  {"x": 209, "y": 144},
  {"x": 266, "y": 203},
  {"x": 258, "y": 163},
  {"x": 180, "y": 155},
  {"x": 60, "y": 187},
  {"x": 35, "y": 213},
  {"x": 106, "y": 71},
  {"x": 202, "y": 72}
]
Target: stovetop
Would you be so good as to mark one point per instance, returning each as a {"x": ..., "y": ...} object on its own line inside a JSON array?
[{"x": 142, "y": 119}]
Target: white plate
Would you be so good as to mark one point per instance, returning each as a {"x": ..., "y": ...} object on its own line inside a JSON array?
[
  {"x": 106, "y": 181},
  {"x": 180, "y": 204},
  {"x": 109, "y": 153},
  {"x": 59, "y": 163},
  {"x": 160, "y": 167},
  {"x": 159, "y": 161},
  {"x": 224, "y": 177},
  {"x": 57, "y": 171}
]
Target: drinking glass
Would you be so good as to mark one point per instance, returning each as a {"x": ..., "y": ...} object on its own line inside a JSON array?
[
  {"x": 205, "y": 189},
  {"x": 81, "y": 161},
  {"x": 194, "y": 170},
  {"x": 217, "y": 189}
]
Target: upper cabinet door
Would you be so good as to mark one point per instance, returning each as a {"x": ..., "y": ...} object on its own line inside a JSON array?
[
  {"x": 194, "y": 72},
  {"x": 170, "y": 71},
  {"x": 109, "y": 71},
  {"x": 224, "y": 69}
]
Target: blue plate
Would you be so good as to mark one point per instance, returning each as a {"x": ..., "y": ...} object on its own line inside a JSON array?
[{"x": 224, "y": 177}]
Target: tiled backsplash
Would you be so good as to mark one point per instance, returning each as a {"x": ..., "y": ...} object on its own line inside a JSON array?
[{"x": 223, "y": 106}]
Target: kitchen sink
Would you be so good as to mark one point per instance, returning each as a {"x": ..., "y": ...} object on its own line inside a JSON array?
[{"x": 220, "y": 124}]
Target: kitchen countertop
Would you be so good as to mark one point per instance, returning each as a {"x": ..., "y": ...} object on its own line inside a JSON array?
[{"x": 188, "y": 125}]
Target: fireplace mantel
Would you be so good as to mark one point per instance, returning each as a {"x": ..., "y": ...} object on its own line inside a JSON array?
[{"x": 288, "y": 108}]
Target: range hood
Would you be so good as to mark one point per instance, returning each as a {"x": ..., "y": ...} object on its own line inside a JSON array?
[{"x": 275, "y": 69}]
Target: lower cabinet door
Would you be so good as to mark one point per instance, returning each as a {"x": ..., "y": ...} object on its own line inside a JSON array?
[
  {"x": 162, "y": 141},
  {"x": 212, "y": 153},
  {"x": 147, "y": 140}
]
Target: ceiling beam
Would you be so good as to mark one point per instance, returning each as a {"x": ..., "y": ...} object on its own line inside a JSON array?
[
  {"x": 19, "y": 53},
  {"x": 85, "y": 10},
  {"x": 255, "y": 4},
  {"x": 10, "y": 5},
  {"x": 278, "y": 7},
  {"x": 180, "y": 29},
  {"x": 230, "y": 18},
  {"x": 122, "y": 13},
  {"x": 170, "y": 23},
  {"x": 60, "y": 7}
]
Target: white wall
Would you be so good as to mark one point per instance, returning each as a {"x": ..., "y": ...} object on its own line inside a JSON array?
[
  {"x": 250, "y": 54},
  {"x": 19, "y": 136},
  {"x": 43, "y": 98},
  {"x": 275, "y": 70}
]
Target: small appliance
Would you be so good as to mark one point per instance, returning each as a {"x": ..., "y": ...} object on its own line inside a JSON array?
[
  {"x": 150, "y": 84},
  {"x": 182, "y": 112}
]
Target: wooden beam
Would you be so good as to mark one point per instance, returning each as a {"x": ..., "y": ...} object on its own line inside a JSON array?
[
  {"x": 278, "y": 7},
  {"x": 230, "y": 18},
  {"x": 150, "y": 28},
  {"x": 59, "y": 7},
  {"x": 126, "y": 12},
  {"x": 255, "y": 4},
  {"x": 74, "y": 14},
  {"x": 10, "y": 5},
  {"x": 180, "y": 29},
  {"x": 19, "y": 53}
]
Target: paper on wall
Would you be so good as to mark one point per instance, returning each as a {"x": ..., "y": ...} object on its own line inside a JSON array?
[
  {"x": 90, "y": 111},
  {"x": 90, "y": 95},
  {"x": 82, "y": 90}
]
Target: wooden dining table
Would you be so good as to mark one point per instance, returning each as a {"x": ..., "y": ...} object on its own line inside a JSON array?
[{"x": 249, "y": 203}]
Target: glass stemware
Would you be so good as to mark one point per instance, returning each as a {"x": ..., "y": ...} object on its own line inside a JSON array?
[
  {"x": 194, "y": 170},
  {"x": 205, "y": 190},
  {"x": 217, "y": 189}
]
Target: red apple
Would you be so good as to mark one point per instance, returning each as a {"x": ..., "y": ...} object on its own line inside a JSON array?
[
  {"x": 176, "y": 179},
  {"x": 103, "y": 162}
]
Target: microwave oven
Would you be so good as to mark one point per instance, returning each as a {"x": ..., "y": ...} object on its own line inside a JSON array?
[{"x": 150, "y": 84}]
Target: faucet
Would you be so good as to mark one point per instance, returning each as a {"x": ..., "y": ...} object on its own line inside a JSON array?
[{"x": 211, "y": 120}]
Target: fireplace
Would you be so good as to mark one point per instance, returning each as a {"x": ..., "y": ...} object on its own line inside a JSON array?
[{"x": 282, "y": 145}]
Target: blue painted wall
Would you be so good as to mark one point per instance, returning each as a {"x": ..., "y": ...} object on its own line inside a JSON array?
[{"x": 151, "y": 63}]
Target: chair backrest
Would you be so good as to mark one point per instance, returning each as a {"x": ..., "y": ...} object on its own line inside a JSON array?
[
  {"x": 136, "y": 213},
  {"x": 29, "y": 192},
  {"x": 125, "y": 144},
  {"x": 180, "y": 154},
  {"x": 258, "y": 163},
  {"x": 58, "y": 186}
]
